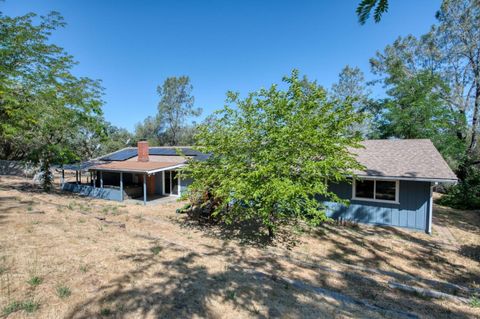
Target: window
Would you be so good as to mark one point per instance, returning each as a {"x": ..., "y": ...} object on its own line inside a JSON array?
[
  {"x": 376, "y": 190},
  {"x": 386, "y": 190}
]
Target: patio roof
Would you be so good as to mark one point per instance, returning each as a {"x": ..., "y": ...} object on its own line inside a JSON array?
[{"x": 136, "y": 167}]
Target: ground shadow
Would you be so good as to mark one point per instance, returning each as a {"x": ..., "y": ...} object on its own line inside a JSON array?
[
  {"x": 180, "y": 283},
  {"x": 182, "y": 287},
  {"x": 251, "y": 233}
]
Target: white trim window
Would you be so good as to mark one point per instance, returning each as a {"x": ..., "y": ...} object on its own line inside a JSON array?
[{"x": 376, "y": 190}]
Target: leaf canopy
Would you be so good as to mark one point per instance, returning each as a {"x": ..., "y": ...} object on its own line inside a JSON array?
[{"x": 274, "y": 153}]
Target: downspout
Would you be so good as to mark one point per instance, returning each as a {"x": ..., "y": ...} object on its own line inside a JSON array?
[{"x": 430, "y": 208}]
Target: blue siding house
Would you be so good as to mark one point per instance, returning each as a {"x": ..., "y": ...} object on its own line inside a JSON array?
[
  {"x": 394, "y": 189},
  {"x": 413, "y": 209}
]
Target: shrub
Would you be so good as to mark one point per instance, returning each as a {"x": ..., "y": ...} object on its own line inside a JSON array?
[
  {"x": 28, "y": 306},
  {"x": 104, "y": 312},
  {"x": 465, "y": 194},
  {"x": 156, "y": 250},
  {"x": 475, "y": 302},
  {"x": 35, "y": 281},
  {"x": 63, "y": 292}
]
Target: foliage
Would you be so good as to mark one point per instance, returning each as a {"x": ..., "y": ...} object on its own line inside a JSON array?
[
  {"x": 438, "y": 76},
  {"x": 351, "y": 86},
  {"x": 150, "y": 130},
  {"x": 365, "y": 7},
  {"x": 272, "y": 153},
  {"x": 35, "y": 281},
  {"x": 115, "y": 138},
  {"x": 465, "y": 194},
  {"x": 43, "y": 107},
  {"x": 29, "y": 306},
  {"x": 475, "y": 301},
  {"x": 175, "y": 106},
  {"x": 169, "y": 126},
  {"x": 457, "y": 38},
  {"x": 63, "y": 292},
  {"x": 415, "y": 109}
]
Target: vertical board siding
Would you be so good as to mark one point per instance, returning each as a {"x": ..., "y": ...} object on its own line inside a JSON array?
[{"x": 412, "y": 211}]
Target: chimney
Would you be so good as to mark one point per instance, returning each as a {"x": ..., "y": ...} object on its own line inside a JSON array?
[{"x": 142, "y": 151}]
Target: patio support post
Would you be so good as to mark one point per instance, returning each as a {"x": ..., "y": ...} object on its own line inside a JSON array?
[
  {"x": 63, "y": 177},
  {"x": 121, "y": 186},
  {"x": 144, "y": 189},
  {"x": 94, "y": 178},
  {"x": 101, "y": 179},
  {"x": 80, "y": 176},
  {"x": 76, "y": 177}
]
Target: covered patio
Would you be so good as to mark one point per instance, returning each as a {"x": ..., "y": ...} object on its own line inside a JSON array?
[{"x": 127, "y": 180}]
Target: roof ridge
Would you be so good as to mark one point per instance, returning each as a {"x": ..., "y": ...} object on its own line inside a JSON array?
[{"x": 398, "y": 139}]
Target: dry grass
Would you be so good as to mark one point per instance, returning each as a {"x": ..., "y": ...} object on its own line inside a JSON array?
[{"x": 163, "y": 265}]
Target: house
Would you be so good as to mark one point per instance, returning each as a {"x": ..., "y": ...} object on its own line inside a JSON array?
[
  {"x": 135, "y": 172},
  {"x": 394, "y": 189},
  {"x": 396, "y": 186}
]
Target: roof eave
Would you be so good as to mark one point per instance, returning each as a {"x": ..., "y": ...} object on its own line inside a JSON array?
[
  {"x": 127, "y": 170},
  {"x": 407, "y": 178}
]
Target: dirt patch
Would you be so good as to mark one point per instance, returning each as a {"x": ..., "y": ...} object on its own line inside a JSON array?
[{"x": 161, "y": 265}]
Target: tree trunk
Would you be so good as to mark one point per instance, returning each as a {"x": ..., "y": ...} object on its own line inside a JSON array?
[
  {"x": 474, "y": 139},
  {"x": 271, "y": 233},
  {"x": 47, "y": 178}
]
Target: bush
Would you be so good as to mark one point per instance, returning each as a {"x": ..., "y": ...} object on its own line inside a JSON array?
[
  {"x": 63, "y": 292},
  {"x": 465, "y": 194}
]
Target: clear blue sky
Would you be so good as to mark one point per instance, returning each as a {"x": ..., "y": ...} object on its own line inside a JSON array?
[{"x": 132, "y": 46}]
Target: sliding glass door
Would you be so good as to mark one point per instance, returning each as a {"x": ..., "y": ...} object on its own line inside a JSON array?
[
  {"x": 174, "y": 183},
  {"x": 170, "y": 183}
]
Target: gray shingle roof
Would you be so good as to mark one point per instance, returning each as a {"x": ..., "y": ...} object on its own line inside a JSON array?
[{"x": 416, "y": 159}]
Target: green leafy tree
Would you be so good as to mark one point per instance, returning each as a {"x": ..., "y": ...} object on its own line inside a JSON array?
[
  {"x": 175, "y": 107},
  {"x": 415, "y": 109},
  {"x": 351, "y": 86},
  {"x": 450, "y": 52},
  {"x": 43, "y": 107},
  {"x": 365, "y": 8},
  {"x": 465, "y": 194},
  {"x": 273, "y": 153},
  {"x": 111, "y": 139},
  {"x": 150, "y": 130},
  {"x": 458, "y": 40}
]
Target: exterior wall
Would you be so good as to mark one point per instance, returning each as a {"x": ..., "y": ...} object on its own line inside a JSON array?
[
  {"x": 412, "y": 211},
  {"x": 86, "y": 190}
]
